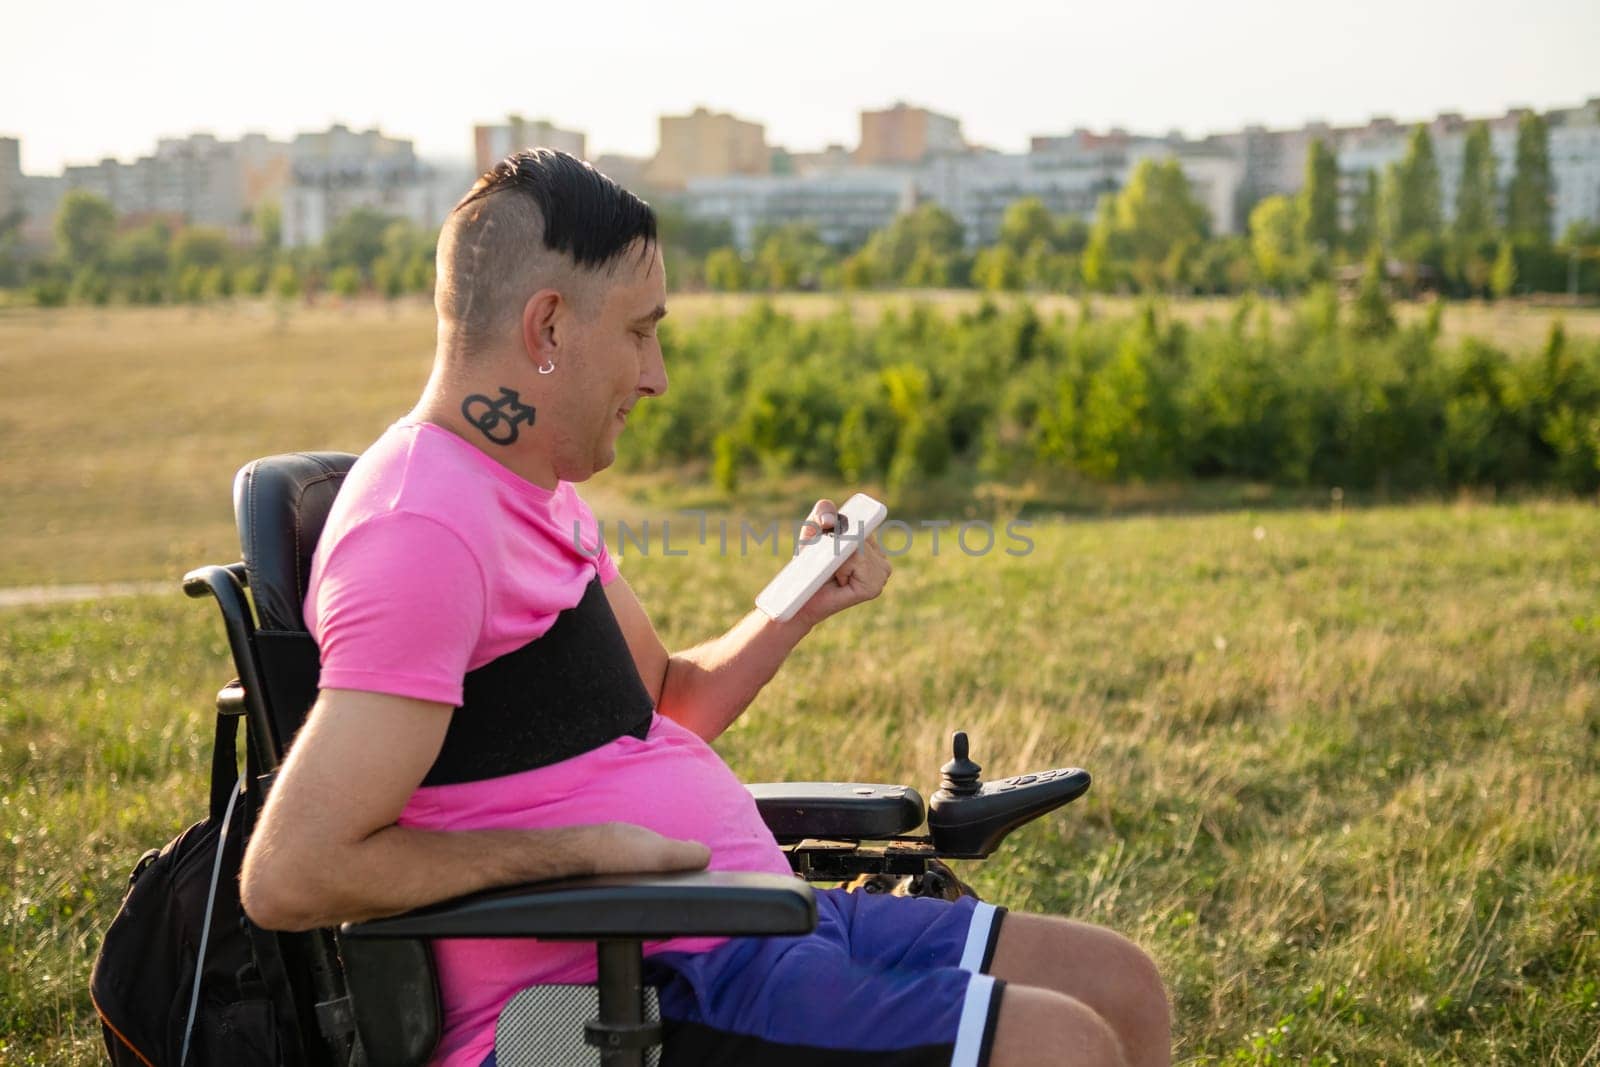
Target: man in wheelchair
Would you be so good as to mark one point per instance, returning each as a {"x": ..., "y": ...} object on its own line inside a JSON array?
[{"x": 495, "y": 706}]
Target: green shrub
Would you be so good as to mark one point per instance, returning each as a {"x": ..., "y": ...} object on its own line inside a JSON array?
[{"x": 1322, "y": 399}]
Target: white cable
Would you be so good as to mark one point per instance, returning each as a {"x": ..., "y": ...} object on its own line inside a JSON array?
[{"x": 205, "y": 929}]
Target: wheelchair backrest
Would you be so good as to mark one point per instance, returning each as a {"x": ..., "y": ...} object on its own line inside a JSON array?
[{"x": 281, "y": 504}]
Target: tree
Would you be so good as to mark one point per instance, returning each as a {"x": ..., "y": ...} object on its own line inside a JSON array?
[
  {"x": 346, "y": 281},
  {"x": 1473, "y": 230},
  {"x": 419, "y": 272},
  {"x": 1318, "y": 205},
  {"x": 857, "y": 271},
  {"x": 357, "y": 240},
  {"x": 1155, "y": 213},
  {"x": 997, "y": 269},
  {"x": 1371, "y": 315},
  {"x": 141, "y": 254},
  {"x": 250, "y": 280},
  {"x": 1100, "y": 259},
  {"x": 219, "y": 283},
  {"x": 85, "y": 225},
  {"x": 1273, "y": 242},
  {"x": 1417, "y": 212},
  {"x": 90, "y": 287},
  {"x": 790, "y": 256},
  {"x": 199, "y": 246},
  {"x": 269, "y": 225},
  {"x": 1582, "y": 234},
  {"x": 686, "y": 234},
  {"x": 1072, "y": 235},
  {"x": 927, "y": 238},
  {"x": 1503, "y": 278},
  {"x": 1529, "y": 195},
  {"x": 1475, "y": 196},
  {"x": 388, "y": 275},
  {"x": 1025, "y": 221},
  {"x": 1366, "y": 219},
  {"x": 725, "y": 270},
  {"x": 285, "y": 282},
  {"x": 1224, "y": 265},
  {"x": 191, "y": 284},
  {"x": 1043, "y": 268},
  {"x": 929, "y": 269},
  {"x": 11, "y": 261}
]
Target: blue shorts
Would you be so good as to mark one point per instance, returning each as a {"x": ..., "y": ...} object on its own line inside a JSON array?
[{"x": 882, "y": 980}]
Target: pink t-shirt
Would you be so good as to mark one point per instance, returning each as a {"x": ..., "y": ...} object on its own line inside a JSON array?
[{"x": 437, "y": 561}]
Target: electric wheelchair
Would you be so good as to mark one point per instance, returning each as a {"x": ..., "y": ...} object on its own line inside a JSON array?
[{"x": 366, "y": 994}]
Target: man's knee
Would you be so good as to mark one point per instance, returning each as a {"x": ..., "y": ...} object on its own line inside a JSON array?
[
  {"x": 1041, "y": 1026},
  {"x": 1099, "y": 967},
  {"x": 1139, "y": 981}
]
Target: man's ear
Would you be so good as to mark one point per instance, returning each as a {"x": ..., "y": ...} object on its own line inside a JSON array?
[{"x": 542, "y": 325}]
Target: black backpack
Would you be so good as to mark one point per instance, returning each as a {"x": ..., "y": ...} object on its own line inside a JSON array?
[{"x": 152, "y": 1011}]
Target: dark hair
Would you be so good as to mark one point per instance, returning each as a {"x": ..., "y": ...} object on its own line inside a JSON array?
[{"x": 587, "y": 216}]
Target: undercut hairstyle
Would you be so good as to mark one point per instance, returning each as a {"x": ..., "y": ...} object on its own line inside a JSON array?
[{"x": 539, "y": 219}]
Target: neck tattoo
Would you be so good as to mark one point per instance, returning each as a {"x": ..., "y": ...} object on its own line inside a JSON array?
[{"x": 498, "y": 420}]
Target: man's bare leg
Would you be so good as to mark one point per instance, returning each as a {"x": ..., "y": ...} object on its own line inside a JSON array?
[
  {"x": 1043, "y": 1028},
  {"x": 1094, "y": 968}
]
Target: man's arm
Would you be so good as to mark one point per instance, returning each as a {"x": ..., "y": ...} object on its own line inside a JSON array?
[
  {"x": 706, "y": 687},
  {"x": 327, "y": 849}
]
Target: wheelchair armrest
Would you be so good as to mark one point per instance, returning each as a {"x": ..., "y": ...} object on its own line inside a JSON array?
[
  {"x": 692, "y": 904},
  {"x": 852, "y": 811}
]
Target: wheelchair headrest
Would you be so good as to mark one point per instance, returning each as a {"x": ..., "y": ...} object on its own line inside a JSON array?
[{"x": 281, "y": 504}]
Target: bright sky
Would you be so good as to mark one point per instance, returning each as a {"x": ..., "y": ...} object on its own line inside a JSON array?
[{"x": 94, "y": 78}]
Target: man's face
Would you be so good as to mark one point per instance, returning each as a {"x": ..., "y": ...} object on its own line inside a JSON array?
[{"x": 621, "y": 363}]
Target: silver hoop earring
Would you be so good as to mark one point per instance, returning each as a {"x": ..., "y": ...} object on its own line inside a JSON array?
[{"x": 546, "y": 367}]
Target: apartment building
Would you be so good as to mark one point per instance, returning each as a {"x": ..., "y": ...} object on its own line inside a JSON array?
[
  {"x": 338, "y": 170},
  {"x": 197, "y": 179},
  {"x": 26, "y": 200},
  {"x": 11, "y": 178},
  {"x": 490, "y": 144},
  {"x": 706, "y": 144},
  {"x": 1574, "y": 164},
  {"x": 845, "y": 206},
  {"x": 1069, "y": 175},
  {"x": 906, "y": 134},
  {"x": 977, "y": 188}
]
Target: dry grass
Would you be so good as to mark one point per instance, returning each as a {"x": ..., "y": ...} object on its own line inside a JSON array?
[{"x": 118, "y": 427}]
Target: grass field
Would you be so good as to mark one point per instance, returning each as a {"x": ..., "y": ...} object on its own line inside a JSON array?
[{"x": 1347, "y": 763}]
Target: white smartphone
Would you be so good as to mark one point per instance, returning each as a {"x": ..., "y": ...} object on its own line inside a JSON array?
[{"x": 817, "y": 561}]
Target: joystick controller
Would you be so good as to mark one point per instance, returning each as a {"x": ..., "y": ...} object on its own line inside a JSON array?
[
  {"x": 968, "y": 817},
  {"x": 959, "y": 777}
]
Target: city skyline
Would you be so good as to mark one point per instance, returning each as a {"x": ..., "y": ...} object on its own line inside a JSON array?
[
  {"x": 1020, "y": 72},
  {"x": 849, "y": 143}
]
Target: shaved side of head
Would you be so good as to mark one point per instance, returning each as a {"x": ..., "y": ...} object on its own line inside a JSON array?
[{"x": 539, "y": 220}]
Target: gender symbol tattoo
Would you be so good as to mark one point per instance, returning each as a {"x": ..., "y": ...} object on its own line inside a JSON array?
[{"x": 497, "y": 419}]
